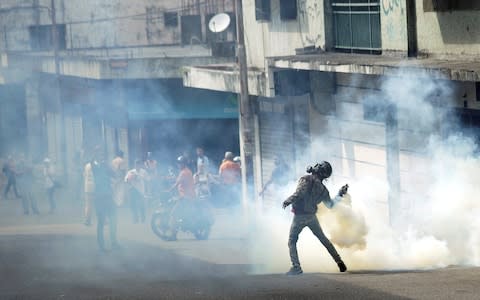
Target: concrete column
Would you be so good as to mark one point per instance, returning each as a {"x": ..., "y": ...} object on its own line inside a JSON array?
[
  {"x": 35, "y": 132},
  {"x": 55, "y": 124},
  {"x": 393, "y": 164}
]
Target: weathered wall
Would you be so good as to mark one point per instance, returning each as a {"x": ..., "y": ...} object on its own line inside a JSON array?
[
  {"x": 357, "y": 147},
  {"x": 96, "y": 24},
  {"x": 281, "y": 37},
  {"x": 14, "y": 23},
  {"x": 448, "y": 34},
  {"x": 393, "y": 22}
]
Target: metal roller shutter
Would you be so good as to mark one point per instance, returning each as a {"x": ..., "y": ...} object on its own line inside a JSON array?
[
  {"x": 284, "y": 131},
  {"x": 276, "y": 137}
]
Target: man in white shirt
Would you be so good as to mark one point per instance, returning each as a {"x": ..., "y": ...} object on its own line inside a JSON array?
[
  {"x": 89, "y": 189},
  {"x": 136, "y": 179},
  {"x": 202, "y": 160}
]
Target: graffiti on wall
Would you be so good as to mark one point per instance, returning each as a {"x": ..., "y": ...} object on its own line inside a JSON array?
[
  {"x": 307, "y": 11},
  {"x": 389, "y": 6}
]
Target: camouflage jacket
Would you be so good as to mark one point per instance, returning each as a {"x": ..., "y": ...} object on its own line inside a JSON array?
[{"x": 310, "y": 192}]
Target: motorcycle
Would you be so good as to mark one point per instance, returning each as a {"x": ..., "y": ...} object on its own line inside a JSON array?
[{"x": 197, "y": 219}]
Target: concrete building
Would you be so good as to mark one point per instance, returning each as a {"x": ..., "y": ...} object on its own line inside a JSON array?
[
  {"x": 320, "y": 75},
  {"x": 77, "y": 74}
]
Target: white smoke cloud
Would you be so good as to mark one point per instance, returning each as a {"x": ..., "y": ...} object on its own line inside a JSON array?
[{"x": 438, "y": 222}]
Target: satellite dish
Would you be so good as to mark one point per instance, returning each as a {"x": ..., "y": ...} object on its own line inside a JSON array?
[{"x": 219, "y": 22}]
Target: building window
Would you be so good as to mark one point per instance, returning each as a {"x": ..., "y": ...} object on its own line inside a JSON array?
[
  {"x": 41, "y": 37},
  {"x": 262, "y": 10},
  {"x": 357, "y": 26},
  {"x": 171, "y": 19},
  {"x": 288, "y": 9},
  {"x": 446, "y": 5},
  {"x": 191, "y": 29}
]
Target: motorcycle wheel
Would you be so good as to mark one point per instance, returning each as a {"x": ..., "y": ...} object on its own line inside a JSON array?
[
  {"x": 159, "y": 224},
  {"x": 202, "y": 232}
]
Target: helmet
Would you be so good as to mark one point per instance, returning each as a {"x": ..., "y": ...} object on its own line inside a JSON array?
[
  {"x": 323, "y": 169},
  {"x": 182, "y": 160},
  {"x": 229, "y": 155}
]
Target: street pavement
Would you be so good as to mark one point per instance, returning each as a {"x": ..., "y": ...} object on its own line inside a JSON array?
[{"x": 56, "y": 257}]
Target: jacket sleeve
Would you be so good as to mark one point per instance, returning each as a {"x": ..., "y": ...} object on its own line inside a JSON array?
[
  {"x": 329, "y": 202},
  {"x": 302, "y": 190}
]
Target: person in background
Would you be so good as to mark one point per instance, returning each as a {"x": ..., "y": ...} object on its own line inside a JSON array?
[
  {"x": 309, "y": 193},
  {"x": 280, "y": 174},
  {"x": 89, "y": 192},
  {"x": 26, "y": 182},
  {"x": 9, "y": 169},
  {"x": 202, "y": 160},
  {"x": 203, "y": 180},
  {"x": 103, "y": 198},
  {"x": 230, "y": 178},
  {"x": 49, "y": 177},
  {"x": 119, "y": 167},
  {"x": 151, "y": 167},
  {"x": 136, "y": 178},
  {"x": 229, "y": 171},
  {"x": 185, "y": 187}
]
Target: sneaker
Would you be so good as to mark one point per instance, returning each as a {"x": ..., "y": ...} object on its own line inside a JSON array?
[
  {"x": 295, "y": 270},
  {"x": 342, "y": 267}
]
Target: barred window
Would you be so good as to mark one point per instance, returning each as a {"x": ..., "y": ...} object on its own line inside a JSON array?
[{"x": 357, "y": 26}]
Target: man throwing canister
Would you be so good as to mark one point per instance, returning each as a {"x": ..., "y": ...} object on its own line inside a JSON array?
[{"x": 310, "y": 192}]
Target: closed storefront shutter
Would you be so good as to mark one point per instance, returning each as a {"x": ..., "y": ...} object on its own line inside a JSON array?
[{"x": 276, "y": 138}]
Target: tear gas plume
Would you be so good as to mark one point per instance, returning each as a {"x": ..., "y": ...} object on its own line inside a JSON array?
[{"x": 437, "y": 222}]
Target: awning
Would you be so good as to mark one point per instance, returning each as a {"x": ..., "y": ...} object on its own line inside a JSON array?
[
  {"x": 225, "y": 78},
  {"x": 178, "y": 102}
]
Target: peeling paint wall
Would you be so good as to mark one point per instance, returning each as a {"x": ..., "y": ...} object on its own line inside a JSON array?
[
  {"x": 448, "y": 34},
  {"x": 281, "y": 37}
]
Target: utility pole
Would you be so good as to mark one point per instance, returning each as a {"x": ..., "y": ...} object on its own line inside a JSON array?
[
  {"x": 246, "y": 118},
  {"x": 58, "y": 105},
  {"x": 54, "y": 37}
]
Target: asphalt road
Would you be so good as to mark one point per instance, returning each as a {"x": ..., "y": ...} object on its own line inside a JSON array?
[{"x": 55, "y": 257}]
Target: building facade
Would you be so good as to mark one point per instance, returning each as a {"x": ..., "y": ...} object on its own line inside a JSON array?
[
  {"x": 76, "y": 75},
  {"x": 365, "y": 84}
]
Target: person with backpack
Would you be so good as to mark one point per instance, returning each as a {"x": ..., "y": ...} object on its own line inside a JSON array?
[{"x": 309, "y": 193}]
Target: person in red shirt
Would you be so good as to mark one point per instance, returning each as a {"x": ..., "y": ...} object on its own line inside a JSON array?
[
  {"x": 230, "y": 177},
  {"x": 186, "y": 195},
  {"x": 229, "y": 171}
]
